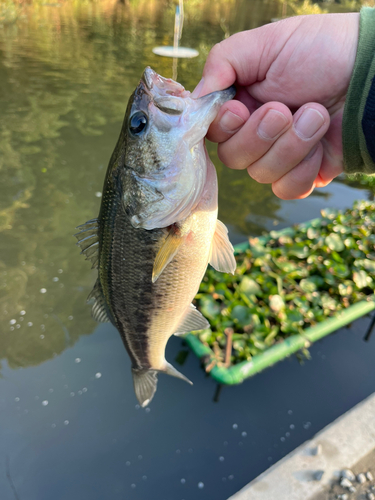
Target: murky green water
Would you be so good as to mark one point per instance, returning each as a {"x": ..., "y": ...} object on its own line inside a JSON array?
[{"x": 66, "y": 72}]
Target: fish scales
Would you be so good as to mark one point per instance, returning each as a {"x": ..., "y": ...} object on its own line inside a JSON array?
[
  {"x": 157, "y": 228},
  {"x": 144, "y": 311}
]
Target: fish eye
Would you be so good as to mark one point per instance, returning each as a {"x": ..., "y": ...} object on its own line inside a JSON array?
[{"x": 138, "y": 123}]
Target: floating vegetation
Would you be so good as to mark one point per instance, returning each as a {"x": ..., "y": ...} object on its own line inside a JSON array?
[
  {"x": 365, "y": 180},
  {"x": 288, "y": 281}
]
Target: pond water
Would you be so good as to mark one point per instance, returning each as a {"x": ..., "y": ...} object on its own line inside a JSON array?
[{"x": 69, "y": 423}]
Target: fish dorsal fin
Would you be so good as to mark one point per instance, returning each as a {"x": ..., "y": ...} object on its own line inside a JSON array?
[
  {"x": 176, "y": 236},
  {"x": 222, "y": 252},
  {"x": 88, "y": 241},
  {"x": 145, "y": 382},
  {"x": 171, "y": 370},
  {"x": 192, "y": 320},
  {"x": 99, "y": 309}
]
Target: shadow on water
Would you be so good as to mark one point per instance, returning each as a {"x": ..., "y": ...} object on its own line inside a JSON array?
[{"x": 66, "y": 72}]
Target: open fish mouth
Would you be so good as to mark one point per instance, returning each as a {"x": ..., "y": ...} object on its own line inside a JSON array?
[
  {"x": 168, "y": 87},
  {"x": 162, "y": 86}
]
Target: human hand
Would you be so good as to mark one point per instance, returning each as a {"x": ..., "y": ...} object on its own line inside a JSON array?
[{"x": 292, "y": 78}]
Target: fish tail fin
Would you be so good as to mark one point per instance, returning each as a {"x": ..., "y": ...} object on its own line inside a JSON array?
[
  {"x": 171, "y": 370},
  {"x": 145, "y": 382}
]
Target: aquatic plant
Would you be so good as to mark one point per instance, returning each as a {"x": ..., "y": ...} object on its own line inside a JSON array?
[{"x": 290, "y": 280}]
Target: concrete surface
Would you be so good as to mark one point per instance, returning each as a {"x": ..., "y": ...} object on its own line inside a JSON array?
[
  {"x": 303, "y": 474},
  {"x": 362, "y": 491}
]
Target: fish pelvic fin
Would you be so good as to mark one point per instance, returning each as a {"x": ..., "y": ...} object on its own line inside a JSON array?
[
  {"x": 145, "y": 382},
  {"x": 171, "y": 370},
  {"x": 222, "y": 252}
]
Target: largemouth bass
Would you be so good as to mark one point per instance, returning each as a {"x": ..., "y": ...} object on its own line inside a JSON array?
[{"x": 157, "y": 228}]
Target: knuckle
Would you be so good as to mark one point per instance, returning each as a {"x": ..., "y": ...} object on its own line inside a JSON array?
[
  {"x": 259, "y": 174},
  {"x": 215, "y": 52},
  {"x": 281, "y": 192}
]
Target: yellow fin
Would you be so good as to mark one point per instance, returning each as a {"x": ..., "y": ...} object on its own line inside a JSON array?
[{"x": 166, "y": 253}]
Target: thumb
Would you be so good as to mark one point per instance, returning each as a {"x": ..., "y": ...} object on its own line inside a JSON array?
[{"x": 245, "y": 57}]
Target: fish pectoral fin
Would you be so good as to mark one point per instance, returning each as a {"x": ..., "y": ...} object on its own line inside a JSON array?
[
  {"x": 222, "y": 252},
  {"x": 172, "y": 243},
  {"x": 171, "y": 370},
  {"x": 145, "y": 382},
  {"x": 88, "y": 241},
  {"x": 192, "y": 320},
  {"x": 99, "y": 310}
]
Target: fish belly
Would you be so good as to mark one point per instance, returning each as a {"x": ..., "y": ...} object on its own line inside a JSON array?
[
  {"x": 178, "y": 284},
  {"x": 147, "y": 314}
]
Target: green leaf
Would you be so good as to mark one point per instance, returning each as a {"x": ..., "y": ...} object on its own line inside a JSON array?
[
  {"x": 241, "y": 315},
  {"x": 350, "y": 242},
  {"x": 209, "y": 307},
  {"x": 249, "y": 286},
  {"x": 295, "y": 317},
  {"x": 369, "y": 265},
  {"x": 361, "y": 279},
  {"x": 329, "y": 302},
  {"x": 312, "y": 233},
  {"x": 299, "y": 250},
  {"x": 329, "y": 213},
  {"x": 334, "y": 242},
  {"x": 308, "y": 285},
  {"x": 276, "y": 303}
]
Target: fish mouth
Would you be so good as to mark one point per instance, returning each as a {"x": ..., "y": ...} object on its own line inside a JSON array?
[
  {"x": 148, "y": 77},
  {"x": 160, "y": 86}
]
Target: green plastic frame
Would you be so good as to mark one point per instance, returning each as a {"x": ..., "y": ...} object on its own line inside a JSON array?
[{"x": 238, "y": 373}]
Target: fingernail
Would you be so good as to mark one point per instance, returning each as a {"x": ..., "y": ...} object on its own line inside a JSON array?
[
  {"x": 312, "y": 152},
  {"x": 309, "y": 123},
  {"x": 198, "y": 88},
  {"x": 272, "y": 125},
  {"x": 230, "y": 122}
]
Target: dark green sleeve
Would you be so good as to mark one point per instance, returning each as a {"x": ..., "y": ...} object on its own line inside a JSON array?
[{"x": 358, "y": 128}]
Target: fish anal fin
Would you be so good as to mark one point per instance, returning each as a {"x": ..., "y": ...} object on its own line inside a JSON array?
[
  {"x": 192, "y": 320},
  {"x": 175, "y": 238},
  {"x": 171, "y": 370},
  {"x": 222, "y": 252},
  {"x": 88, "y": 241},
  {"x": 99, "y": 310},
  {"x": 145, "y": 382}
]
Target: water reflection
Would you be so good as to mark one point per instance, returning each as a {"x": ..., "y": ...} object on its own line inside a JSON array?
[{"x": 66, "y": 72}]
